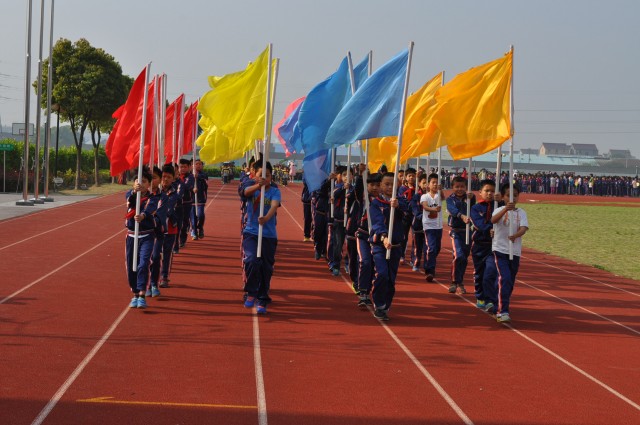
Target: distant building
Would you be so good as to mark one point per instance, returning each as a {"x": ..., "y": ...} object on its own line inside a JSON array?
[
  {"x": 555, "y": 149},
  {"x": 620, "y": 154},
  {"x": 529, "y": 151},
  {"x": 580, "y": 149}
]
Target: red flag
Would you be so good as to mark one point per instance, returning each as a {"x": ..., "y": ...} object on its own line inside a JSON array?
[
  {"x": 190, "y": 117},
  {"x": 168, "y": 134},
  {"x": 133, "y": 153},
  {"x": 123, "y": 135}
]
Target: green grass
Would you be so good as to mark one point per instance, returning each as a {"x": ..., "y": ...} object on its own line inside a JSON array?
[
  {"x": 607, "y": 238},
  {"x": 103, "y": 189}
]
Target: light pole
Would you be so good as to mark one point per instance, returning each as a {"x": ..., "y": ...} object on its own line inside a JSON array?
[{"x": 27, "y": 95}]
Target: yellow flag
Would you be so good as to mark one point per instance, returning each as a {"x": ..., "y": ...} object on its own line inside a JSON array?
[
  {"x": 419, "y": 136},
  {"x": 235, "y": 111},
  {"x": 474, "y": 109}
]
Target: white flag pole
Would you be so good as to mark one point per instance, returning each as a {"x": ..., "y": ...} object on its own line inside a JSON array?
[
  {"x": 333, "y": 170},
  {"x": 353, "y": 91},
  {"x": 193, "y": 160},
  {"x": 47, "y": 133},
  {"x": 366, "y": 157},
  {"x": 140, "y": 165},
  {"x": 428, "y": 164},
  {"x": 498, "y": 172},
  {"x": 174, "y": 136},
  {"x": 265, "y": 154},
  {"x": 400, "y": 128},
  {"x": 468, "y": 225},
  {"x": 181, "y": 130},
  {"x": 417, "y": 164},
  {"x": 511, "y": 222},
  {"x": 36, "y": 161},
  {"x": 163, "y": 117},
  {"x": 154, "y": 132},
  {"x": 27, "y": 101}
]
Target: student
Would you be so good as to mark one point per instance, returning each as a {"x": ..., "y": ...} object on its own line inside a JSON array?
[
  {"x": 259, "y": 270},
  {"x": 197, "y": 212},
  {"x": 407, "y": 190},
  {"x": 481, "y": 237},
  {"x": 148, "y": 204},
  {"x": 337, "y": 230},
  {"x": 187, "y": 181},
  {"x": 366, "y": 267},
  {"x": 355, "y": 201},
  {"x": 171, "y": 230},
  {"x": 432, "y": 224},
  {"x": 498, "y": 289},
  {"x": 386, "y": 270},
  {"x": 417, "y": 230},
  {"x": 160, "y": 217},
  {"x": 306, "y": 210},
  {"x": 458, "y": 219},
  {"x": 320, "y": 208}
]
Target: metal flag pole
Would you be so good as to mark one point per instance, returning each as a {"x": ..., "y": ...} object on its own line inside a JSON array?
[
  {"x": 27, "y": 97},
  {"x": 468, "y": 225},
  {"x": 266, "y": 145},
  {"x": 511, "y": 222},
  {"x": 400, "y": 128},
  {"x": 47, "y": 132},
  {"x": 181, "y": 130},
  {"x": 353, "y": 91},
  {"x": 174, "y": 135},
  {"x": 498, "y": 172},
  {"x": 193, "y": 160},
  {"x": 365, "y": 176},
  {"x": 140, "y": 165},
  {"x": 36, "y": 162},
  {"x": 428, "y": 164},
  {"x": 154, "y": 129}
]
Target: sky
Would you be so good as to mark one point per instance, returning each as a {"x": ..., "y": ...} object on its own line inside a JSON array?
[{"x": 576, "y": 62}]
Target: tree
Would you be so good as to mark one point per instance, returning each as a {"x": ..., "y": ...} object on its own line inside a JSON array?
[{"x": 88, "y": 85}]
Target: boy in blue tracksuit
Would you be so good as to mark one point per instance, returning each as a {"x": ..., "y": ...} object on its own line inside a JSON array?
[
  {"x": 407, "y": 190},
  {"x": 354, "y": 213},
  {"x": 259, "y": 270},
  {"x": 188, "y": 182},
  {"x": 320, "y": 208},
  {"x": 337, "y": 229},
  {"x": 171, "y": 229},
  {"x": 458, "y": 219},
  {"x": 178, "y": 188},
  {"x": 148, "y": 204},
  {"x": 366, "y": 267},
  {"x": 481, "y": 237},
  {"x": 197, "y": 212},
  {"x": 386, "y": 270},
  {"x": 160, "y": 217},
  {"x": 306, "y": 210},
  {"x": 417, "y": 231}
]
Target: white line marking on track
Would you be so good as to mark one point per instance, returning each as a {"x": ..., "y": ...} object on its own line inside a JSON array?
[
  {"x": 2, "y": 301},
  {"x": 48, "y": 209},
  {"x": 59, "y": 227},
  {"x": 58, "y": 395},
  {"x": 257, "y": 359},
  {"x": 409, "y": 354}
]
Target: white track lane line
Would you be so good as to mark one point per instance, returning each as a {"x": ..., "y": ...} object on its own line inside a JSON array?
[
  {"x": 7, "y": 298},
  {"x": 411, "y": 356},
  {"x": 63, "y": 389},
  {"x": 257, "y": 360},
  {"x": 59, "y": 227}
]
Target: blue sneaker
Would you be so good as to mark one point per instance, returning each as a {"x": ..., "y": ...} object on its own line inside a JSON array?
[
  {"x": 134, "y": 302},
  {"x": 481, "y": 304},
  {"x": 142, "y": 303},
  {"x": 148, "y": 293},
  {"x": 249, "y": 302},
  {"x": 335, "y": 272},
  {"x": 155, "y": 292},
  {"x": 503, "y": 318},
  {"x": 261, "y": 309},
  {"x": 415, "y": 269}
]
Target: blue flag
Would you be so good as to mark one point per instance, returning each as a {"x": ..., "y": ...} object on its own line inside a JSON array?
[
  {"x": 317, "y": 167},
  {"x": 374, "y": 110},
  {"x": 287, "y": 129}
]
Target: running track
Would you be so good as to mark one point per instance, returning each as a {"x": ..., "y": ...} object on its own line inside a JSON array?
[{"x": 71, "y": 352}]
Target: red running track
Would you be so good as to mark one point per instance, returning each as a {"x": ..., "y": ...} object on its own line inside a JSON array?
[{"x": 73, "y": 353}]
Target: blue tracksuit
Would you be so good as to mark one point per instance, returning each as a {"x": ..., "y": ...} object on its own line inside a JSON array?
[
  {"x": 456, "y": 207},
  {"x": 366, "y": 267},
  {"x": 139, "y": 279},
  {"x": 337, "y": 230},
  {"x": 188, "y": 182},
  {"x": 480, "y": 242},
  {"x": 197, "y": 212},
  {"x": 320, "y": 208},
  {"x": 306, "y": 209},
  {"x": 417, "y": 232}
]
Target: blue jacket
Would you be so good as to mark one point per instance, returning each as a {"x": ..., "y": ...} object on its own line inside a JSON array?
[
  {"x": 380, "y": 210},
  {"x": 148, "y": 206},
  {"x": 417, "y": 210},
  {"x": 188, "y": 182},
  {"x": 481, "y": 219},
  {"x": 456, "y": 208}
]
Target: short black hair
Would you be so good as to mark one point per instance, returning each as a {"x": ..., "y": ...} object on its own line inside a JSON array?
[
  {"x": 184, "y": 161},
  {"x": 433, "y": 176},
  {"x": 410, "y": 171},
  {"x": 258, "y": 164},
  {"x": 388, "y": 174},
  {"x": 374, "y": 178},
  {"x": 157, "y": 171},
  {"x": 505, "y": 187},
  {"x": 459, "y": 179},
  {"x": 146, "y": 174},
  {"x": 486, "y": 182},
  {"x": 168, "y": 168},
  {"x": 341, "y": 169}
]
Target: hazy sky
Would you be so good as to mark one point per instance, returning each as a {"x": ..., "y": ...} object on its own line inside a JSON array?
[{"x": 576, "y": 62}]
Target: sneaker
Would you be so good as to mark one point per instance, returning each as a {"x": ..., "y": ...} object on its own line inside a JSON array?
[
  {"x": 335, "y": 272},
  {"x": 201, "y": 234},
  {"x": 194, "y": 237},
  {"x": 452, "y": 288},
  {"x": 148, "y": 293},
  {"x": 134, "y": 302},
  {"x": 364, "y": 301},
  {"x": 503, "y": 318},
  {"x": 176, "y": 250},
  {"x": 318, "y": 256},
  {"x": 155, "y": 292},
  {"x": 182, "y": 244},
  {"x": 402, "y": 261},
  {"x": 249, "y": 302},
  {"x": 381, "y": 315},
  {"x": 261, "y": 309},
  {"x": 481, "y": 304},
  {"x": 306, "y": 239},
  {"x": 142, "y": 302},
  {"x": 429, "y": 277},
  {"x": 489, "y": 307},
  {"x": 462, "y": 290},
  {"x": 354, "y": 287},
  {"x": 164, "y": 283},
  {"x": 415, "y": 269}
]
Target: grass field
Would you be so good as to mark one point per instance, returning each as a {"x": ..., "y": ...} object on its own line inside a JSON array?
[
  {"x": 604, "y": 237},
  {"x": 104, "y": 189}
]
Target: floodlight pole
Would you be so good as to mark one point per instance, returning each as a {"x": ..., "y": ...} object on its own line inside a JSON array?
[{"x": 25, "y": 153}]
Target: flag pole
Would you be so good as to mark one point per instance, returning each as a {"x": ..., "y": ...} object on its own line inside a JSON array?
[
  {"x": 162, "y": 121},
  {"x": 333, "y": 170},
  {"x": 27, "y": 99},
  {"x": 498, "y": 173},
  {"x": 467, "y": 225},
  {"x": 174, "y": 136},
  {"x": 265, "y": 154},
  {"x": 36, "y": 161},
  {"x": 353, "y": 90},
  {"x": 193, "y": 159},
  {"x": 366, "y": 156},
  {"x": 181, "y": 129},
  {"x": 154, "y": 133},
  {"x": 511, "y": 222},
  {"x": 47, "y": 134},
  {"x": 140, "y": 164},
  {"x": 428, "y": 164},
  {"x": 400, "y": 128}
]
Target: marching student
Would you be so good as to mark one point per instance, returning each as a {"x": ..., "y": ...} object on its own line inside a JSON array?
[
  {"x": 458, "y": 219},
  {"x": 259, "y": 270},
  {"x": 431, "y": 203},
  {"x": 384, "y": 284},
  {"x": 337, "y": 230},
  {"x": 354, "y": 213},
  {"x": 160, "y": 217},
  {"x": 417, "y": 230},
  {"x": 178, "y": 187},
  {"x": 197, "y": 212},
  {"x": 481, "y": 238},
  {"x": 366, "y": 267},
  {"x": 188, "y": 184},
  {"x": 500, "y": 273},
  {"x": 306, "y": 210},
  {"x": 171, "y": 229},
  {"x": 407, "y": 190},
  {"x": 148, "y": 204},
  {"x": 320, "y": 208}
]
